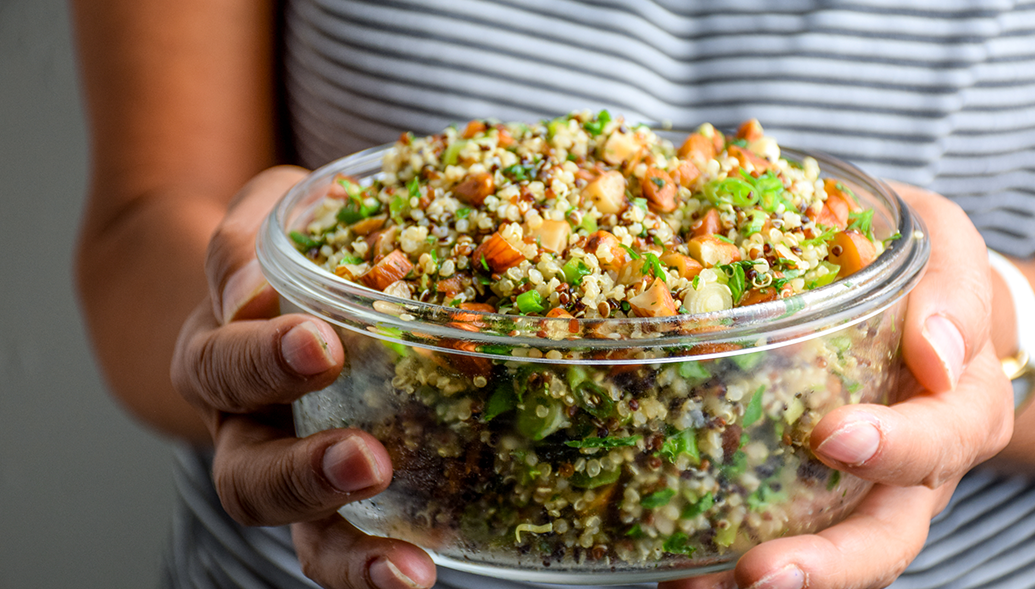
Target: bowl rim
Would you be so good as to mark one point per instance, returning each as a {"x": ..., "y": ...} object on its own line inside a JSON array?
[{"x": 750, "y": 329}]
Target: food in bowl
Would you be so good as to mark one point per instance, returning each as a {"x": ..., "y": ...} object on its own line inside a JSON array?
[{"x": 592, "y": 355}]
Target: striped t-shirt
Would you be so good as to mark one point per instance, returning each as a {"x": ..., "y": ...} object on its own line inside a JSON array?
[{"x": 938, "y": 93}]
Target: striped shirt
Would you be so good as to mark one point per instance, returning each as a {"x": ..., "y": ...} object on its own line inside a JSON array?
[{"x": 937, "y": 93}]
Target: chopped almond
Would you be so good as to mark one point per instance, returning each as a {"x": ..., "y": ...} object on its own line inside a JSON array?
[
  {"x": 685, "y": 266},
  {"x": 852, "y": 251},
  {"x": 450, "y": 286},
  {"x": 656, "y": 301},
  {"x": 552, "y": 235},
  {"x": 833, "y": 212},
  {"x": 394, "y": 266},
  {"x": 613, "y": 256},
  {"x": 473, "y": 128},
  {"x": 712, "y": 251},
  {"x": 685, "y": 174},
  {"x": 399, "y": 288},
  {"x": 474, "y": 190},
  {"x": 709, "y": 224},
  {"x": 559, "y": 312},
  {"x": 698, "y": 149},
  {"x": 496, "y": 253},
  {"x": 747, "y": 157},
  {"x": 750, "y": 130},
  {"x": 380, "y": 243},
  {"x": 660, "y": 190},
  {"x": 368, "y": 225},
  {"x": 620, "y": 147},
  {"x": 607, "y": 192},
  {"x": 504, "y": 139}
]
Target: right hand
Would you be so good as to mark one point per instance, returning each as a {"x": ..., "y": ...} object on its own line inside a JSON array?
[{"x": 241, "y": 365}]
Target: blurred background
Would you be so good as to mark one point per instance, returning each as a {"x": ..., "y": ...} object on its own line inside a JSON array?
[{"x": 85, "y": 493}]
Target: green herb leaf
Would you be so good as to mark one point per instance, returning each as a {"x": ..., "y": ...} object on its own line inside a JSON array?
[
  {"x": 304, "y": 240},
  {"x": 753, "y": 412},
  {"x": 697, "y": 508},
  {"x": 503, "y": 399},
  {"x": 658, "y": 499},
  {"x": 684, "y": 442},
  {"x": 861, "y": 221},
  {"x": 462, "y": 213},
  {"x": 679, "y": 543},
  {"x": 694, "y": 370},
  {"x": 653, "y": 265},
  {"x": 632, "y": 252},
  {"x": 606, "y": 443},
  {"x": 596, "y": 126}
]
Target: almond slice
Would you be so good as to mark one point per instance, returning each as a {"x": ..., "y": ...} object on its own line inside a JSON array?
[
  {"x": 475, "y": 189},
  {"x": 552, "y": 235},
  {"x": 395, "y": 266},
  {"x": 607, "y": 192},
  {"x": 656, "y": 301},
  {"x": 496, "y": 253},
  {"x": 712, "y": 251}
]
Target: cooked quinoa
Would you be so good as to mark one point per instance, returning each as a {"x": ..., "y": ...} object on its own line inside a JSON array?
[
  {"x": 587, "y": 216},
  {"x": 568, "y": 462}
]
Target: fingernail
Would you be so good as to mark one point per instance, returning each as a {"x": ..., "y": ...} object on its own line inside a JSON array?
[
  {"x": 789, "y": 577},
  {"x": 385, "y": 575},
  {"x": 305, "y": 349},
  {"x": 247, "y": 282},
  {"x": 947, "y": 341},
  {"x": 350, "y": 466},
  {"x": 853, "y": 444}
]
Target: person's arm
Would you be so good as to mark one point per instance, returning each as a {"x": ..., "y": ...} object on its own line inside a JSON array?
[
  {"x": 1020, "y": 453},
  {"x": 179, "y": 99}
]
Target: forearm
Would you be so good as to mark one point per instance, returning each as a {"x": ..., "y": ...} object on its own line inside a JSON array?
[
  {"x": 138, "y": 280},
  {"x": 179, "y": 101},
  {"x": 1021, "y": 450}
]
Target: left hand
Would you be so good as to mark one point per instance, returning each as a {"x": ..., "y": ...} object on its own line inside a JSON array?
[{"x": 954, "y": 410}]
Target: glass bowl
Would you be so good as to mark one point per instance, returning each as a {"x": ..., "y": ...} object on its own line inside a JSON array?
[{"x": 601, "y": 451}]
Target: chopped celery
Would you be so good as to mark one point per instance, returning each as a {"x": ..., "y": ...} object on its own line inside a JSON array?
[{"x": 529, "y": 302}]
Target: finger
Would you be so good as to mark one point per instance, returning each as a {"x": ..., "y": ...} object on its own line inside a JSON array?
[
  {"x": 869, "y": 549},
  {"x": 246, "y": 365},
  {"x": 928, "y": 438},
  {"x": 264, "y": 477},
  {"x": 236, "y": 284},
  {"x": 338, "y": 556},
  {"x": 947, "y": 319}
]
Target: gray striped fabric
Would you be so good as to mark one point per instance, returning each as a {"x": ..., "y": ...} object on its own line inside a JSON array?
[{"x": 939, "y": 93}]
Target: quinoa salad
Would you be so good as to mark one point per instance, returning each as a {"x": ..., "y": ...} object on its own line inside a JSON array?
[{"x": 538, "y": 460}]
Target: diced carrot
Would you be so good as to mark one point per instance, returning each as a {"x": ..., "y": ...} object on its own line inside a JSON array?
[
  {"x": 475, "y": 189},
  {"x": 685, "y": 174},
  {"x": 656, "y": 301},
  {"x": 474, "y": 128},
  {"x": 750, "y": 130},
  {"x": 659, "y": 189},
  {"x": 698, "y": 149},
  {"x": 504, "y": 139},
  {"x": 392, "y": 267},
  {"x": 852, "y": 251},
  {"x": 833, "y": 212},
  {"x": 709, "y": 224},
  {"x": 496, "y": 253},
  {"x": 747, "y": 157},
  {"x": 619, "y": 256}
]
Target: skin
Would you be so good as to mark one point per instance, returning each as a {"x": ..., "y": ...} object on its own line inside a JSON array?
[{"x": 179, "y": 97}]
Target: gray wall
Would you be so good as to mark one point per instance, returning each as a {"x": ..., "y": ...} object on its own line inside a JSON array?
[{"x": 85, "y": 494}]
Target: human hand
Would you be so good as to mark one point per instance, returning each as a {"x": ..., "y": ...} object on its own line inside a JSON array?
[
  {"x": 954, "y": 410},
  {"x": 241, "y": 365}
]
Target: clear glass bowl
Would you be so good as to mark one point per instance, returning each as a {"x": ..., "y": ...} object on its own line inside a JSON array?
[{"x": 601, "y": 451}]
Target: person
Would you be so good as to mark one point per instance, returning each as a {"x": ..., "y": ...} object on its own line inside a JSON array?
[{"x": 190, "y": 101}]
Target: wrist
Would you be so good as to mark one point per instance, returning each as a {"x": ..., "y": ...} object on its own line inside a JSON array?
[{"x": 1020, "y": 365}]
